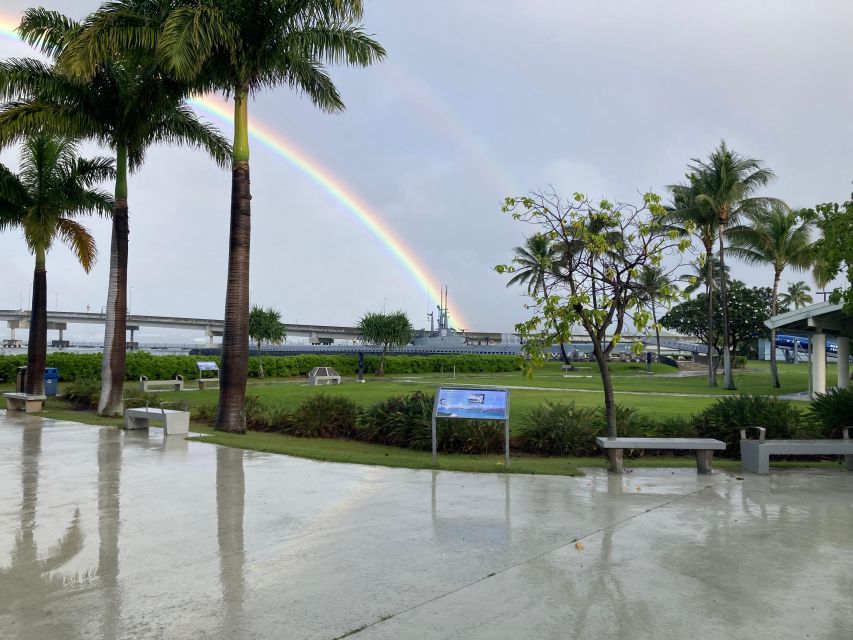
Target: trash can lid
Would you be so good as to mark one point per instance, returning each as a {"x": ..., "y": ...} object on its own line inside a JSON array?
[{"x": 51, "y": 370}]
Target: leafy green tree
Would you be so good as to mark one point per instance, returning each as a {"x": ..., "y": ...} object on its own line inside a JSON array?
[
  {"x": 265, "y": 326},
  {"x": 796, "y": 296},
  {"x": 835, "y": 249},
  {"x": 53, "y": 188},
  {"x": 240, "y": 49},
  {"x": 604, "y": 248},
  {"x": 726, "y": 184},
  {"x": 689, "y": 218},
  {"x": 386, "y": 329},
  {"x": 125, "y": 103},
  {"x": 697, "y": 277},
  {"x": 778, "y": 237},
  {"x": 749, "y": 308},
  {"x": 655, "y": 288}
]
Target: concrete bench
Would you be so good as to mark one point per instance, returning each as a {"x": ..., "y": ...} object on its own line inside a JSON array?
[
  {"x": 177, "y": 384},
  {"x": 704, "y": 448},
  {"x": 23, "y": 402},
  {"x": 207, "y": 383},
  {"x": 174, "y": 422},
  {"x": 755, "y": 454}
]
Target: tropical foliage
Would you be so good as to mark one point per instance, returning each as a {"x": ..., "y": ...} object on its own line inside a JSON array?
[
  {"x": 604, "y": 248},
  {"x": 124, "y": 102},
  {"x": 777, "y": 237},
  {"x": 796, "y": 295},
  {"x": 387, "y": 330},
  {"x": 265, "y": 326},
  {"x": 835, "y": 248},
  {"x": 52, "y": 190}
]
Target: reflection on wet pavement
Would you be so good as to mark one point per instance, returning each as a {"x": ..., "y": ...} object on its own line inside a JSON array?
[{"x": 107, "y": 534}]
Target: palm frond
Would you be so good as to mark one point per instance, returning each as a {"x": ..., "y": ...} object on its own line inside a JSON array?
[{"x": 77, "y": 238}]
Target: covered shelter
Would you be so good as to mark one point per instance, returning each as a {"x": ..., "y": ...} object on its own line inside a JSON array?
[{"x": 816, "y": 322}]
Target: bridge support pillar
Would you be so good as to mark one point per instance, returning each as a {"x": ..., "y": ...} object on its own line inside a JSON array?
[{"x": 843, "y": 362}]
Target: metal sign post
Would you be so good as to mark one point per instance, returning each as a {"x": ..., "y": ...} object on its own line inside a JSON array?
[{"x": 467, "y": 403}]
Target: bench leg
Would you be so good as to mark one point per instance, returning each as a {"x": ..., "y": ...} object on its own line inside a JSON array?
[
  {"x": 753, "y": 458},
  {"x": 135, "y": 423},
  {"x": 703, "y": 460},
  {"x": 849, "y": 461},
  {"x": 14, "y": 405},
  {"x": 615, "y": 456},
  {"x": 176, "y": 425}
]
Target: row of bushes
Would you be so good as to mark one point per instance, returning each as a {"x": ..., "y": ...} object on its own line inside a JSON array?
[
  {"x": 552, "y": 428},
  {"x": 87, "y": 366}
]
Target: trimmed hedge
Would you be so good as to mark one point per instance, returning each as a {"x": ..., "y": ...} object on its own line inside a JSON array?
[{"x": 87, "y": 366}]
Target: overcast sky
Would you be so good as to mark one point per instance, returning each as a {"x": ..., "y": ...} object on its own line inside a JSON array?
[{"x": 477, "y": 100}]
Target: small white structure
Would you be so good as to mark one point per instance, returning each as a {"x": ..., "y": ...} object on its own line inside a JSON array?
[
  {"x": 323, "y": 375},
  {"x": 817, "y": 321}
]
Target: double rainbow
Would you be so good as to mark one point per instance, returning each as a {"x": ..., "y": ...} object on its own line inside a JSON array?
[{"x": 328, "y": 181}]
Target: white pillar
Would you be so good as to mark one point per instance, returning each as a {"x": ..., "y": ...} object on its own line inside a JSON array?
[
  {"x": 818, "y": 363},
  {"x": 843, "y": 361}
]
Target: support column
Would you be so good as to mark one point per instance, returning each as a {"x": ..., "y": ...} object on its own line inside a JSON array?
[
  {"x": 818, "y": 363},
  {"x": 843, "y": 362}
]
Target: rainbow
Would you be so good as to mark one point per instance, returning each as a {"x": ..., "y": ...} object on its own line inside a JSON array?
[
  {"x": 335, "y": 187},
  {"x": 330, "y": 183}
]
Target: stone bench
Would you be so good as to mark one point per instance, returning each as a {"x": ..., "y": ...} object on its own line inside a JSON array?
[
  {"x": 24, "y": 402},
  {"x": 177, "y": 384},
  {"x": 174, "y": 422},
  {"x": 755, "y": 454},
  {"x": 207, "y": 383},
  {"x": 704, "y": 448}
]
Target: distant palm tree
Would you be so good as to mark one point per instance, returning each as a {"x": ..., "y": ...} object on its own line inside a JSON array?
[
  {"x": 698, "y": 276},
  {"x": 240, "y": 49},
  {"x": 656, "y": 288},
  {"x": 726, "y": 184},
  {"x": 780, "y": 238},
  {"x": 533, "y": 262},
  {"x": 53, "y": 188},
  {"x": 689, "y": 217},
  {"x": 796, "y": 296},
  {"x": 126, "y": 104}
]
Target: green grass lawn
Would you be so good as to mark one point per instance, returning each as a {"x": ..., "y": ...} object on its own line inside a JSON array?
[{"x": 657, "y": 394}]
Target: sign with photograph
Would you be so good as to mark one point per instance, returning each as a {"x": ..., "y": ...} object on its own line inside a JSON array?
[
  {"x": 472, "y": 404},
  {"x": 460, "y": 403}
]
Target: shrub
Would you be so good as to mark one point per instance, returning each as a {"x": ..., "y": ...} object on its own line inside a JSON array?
[
  {"x": 739, "y": 362},
  {"x": 724, "y": 419},
  {"x": 203, "y": 413},
  {"x": 324, "y": 416},
  {"x": 833, "y": 411},
  {"x": 399, "y": 421},
  {"x": 560, "y": 429},
  {"x": 83, "y": 394}
]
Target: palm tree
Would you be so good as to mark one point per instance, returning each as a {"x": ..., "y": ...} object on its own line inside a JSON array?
[
  {"x": 796, "y": 296},
  {"x": 725, "y": 184},
  {"x": 53, "y": 188},
  {"x": 238, "y": 48},
  {"x": 689, "y": 217},
  {"x": 533, "y": 262},
  {"x": 656, "y": 288},
  {"x": 778, "y": 237},
  {"x": 126, "y": 104},
  {"x": 697, "y": 277}
]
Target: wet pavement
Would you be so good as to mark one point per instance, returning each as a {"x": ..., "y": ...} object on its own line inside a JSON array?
[{"x": 110, "y": 534}]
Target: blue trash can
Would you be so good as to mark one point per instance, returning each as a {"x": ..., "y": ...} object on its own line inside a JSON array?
[{"x": 51, "y": 381}]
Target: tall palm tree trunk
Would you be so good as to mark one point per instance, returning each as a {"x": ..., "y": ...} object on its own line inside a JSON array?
[
  {"x": 774, "y": 369},
  {"x": 728, "y": 378},
  {"x": 260, "y": 361},
  {"x": 231, "y": 414},
  {"x": 712, "y": 370},
  {"x": 37, "y": 343},
  {"x": 115, "y": 331}
]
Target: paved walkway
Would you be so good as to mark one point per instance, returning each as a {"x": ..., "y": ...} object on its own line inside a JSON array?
[{"x": 105, "y": 534}]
